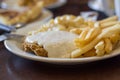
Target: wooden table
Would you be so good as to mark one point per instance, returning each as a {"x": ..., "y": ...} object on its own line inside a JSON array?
[{"x": 13, "y": 67}]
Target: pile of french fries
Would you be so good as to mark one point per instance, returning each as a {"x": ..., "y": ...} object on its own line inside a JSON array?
[{"x": 97, "y": 39}]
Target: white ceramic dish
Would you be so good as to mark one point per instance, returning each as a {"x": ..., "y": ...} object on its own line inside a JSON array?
[
  {"x": 44, "y": 16},
  {"x": 16, "y": 48}
]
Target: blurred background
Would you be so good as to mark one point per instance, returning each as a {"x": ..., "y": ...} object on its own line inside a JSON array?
[
  {"x": 94, "y": 9},
  {"x": 105, "y": 8}
]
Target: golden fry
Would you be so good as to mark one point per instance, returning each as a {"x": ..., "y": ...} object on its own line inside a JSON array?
[
  {"x": 79, "y": 20},
  {"x": 100, "y": 52},
  {"x": 90, "y": 24},
  {"x": 76, "y": 53},
  {"x": 113, "y": 18},
  {"x": 100, "y": 48},
  {"x": 81, "y": 43},
  {"x": 114, "y": 38},
  {"x": 96, "y": 24},
  {"x": 108, "y": 24},
  {"x": 100, "y": 45},
  {"x": 108, "y": 45},
  {"x": 83, "y": 34},
  {"x": 107, "y": 32},
  {"x": 90, "y": 32},
  {"x": 93, "y": 33},
  {"x": 76, "y": 30}
]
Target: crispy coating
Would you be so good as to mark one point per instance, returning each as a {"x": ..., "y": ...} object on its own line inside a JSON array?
[{"x": 34, "y": 47}]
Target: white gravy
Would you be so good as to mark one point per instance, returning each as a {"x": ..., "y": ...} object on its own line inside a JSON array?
[{"x": 58, "y": 44}]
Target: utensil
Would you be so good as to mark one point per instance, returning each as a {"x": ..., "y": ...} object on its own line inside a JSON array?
[
  {"x": 11, "y": 28},
  {"x": 11, "y": 36},
  {"x": 7, "y": 28},
  {"x": 3, "y": 5}
]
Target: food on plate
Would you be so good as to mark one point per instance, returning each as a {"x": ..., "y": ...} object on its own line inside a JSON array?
[
  {"x": 11, "y": 17},
  {"x": 70, "y": 36},
  {"x": 52, "y": 42},
  {"x": 6, "y": 15},
  {"x": 32, "y": 2}
]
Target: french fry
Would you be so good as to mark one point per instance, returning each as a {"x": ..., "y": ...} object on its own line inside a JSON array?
[
  {"x": 90, "y": 32},
  {"x": 114, "y": 38},
  {"x": 100, "y": 48},
  {"x": 83, "y": 34},
  {"x": 81, "y": 43},
  {"x": 108, "y": 45},
  {"x": 100, "y": 52},
  {"x": 108, "y": 24},
  {"x": 107, "y": 32},
  {"x": 90, "y": 24},
  {"x": 76, "y": 30},
  {"x": 100, "y": 45},
  {"x": 93, "y": 33},
  {"x": 76, "y": 53},
  {"x": 96, "y": 24},
  {"x": 79, "y": 20},
  {"x": 113, "y": 18},
  {"x": 79, "y": 30}
]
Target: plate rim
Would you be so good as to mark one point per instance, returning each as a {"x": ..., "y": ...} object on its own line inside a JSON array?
[{"x": 58, "y": 60}]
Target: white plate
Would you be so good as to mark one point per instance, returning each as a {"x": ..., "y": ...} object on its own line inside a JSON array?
[
  {"x": 16, "y": 48},
  {"x": 44, "y": 16},
  {"x": 12, "y": 4}
]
